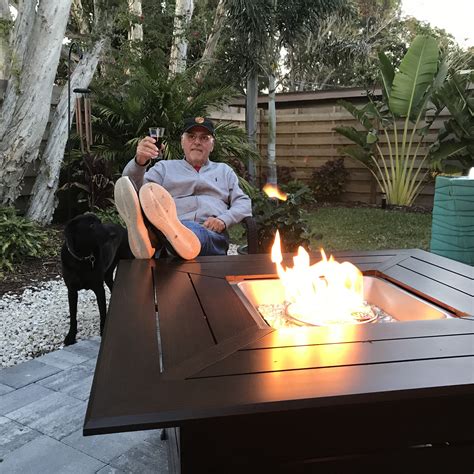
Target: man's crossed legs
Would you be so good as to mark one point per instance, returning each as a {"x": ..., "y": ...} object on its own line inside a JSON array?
[{"x": 188, "y": 239}]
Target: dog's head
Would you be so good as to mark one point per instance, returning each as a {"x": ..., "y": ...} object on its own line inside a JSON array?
[{"x": 86, "y": 232}]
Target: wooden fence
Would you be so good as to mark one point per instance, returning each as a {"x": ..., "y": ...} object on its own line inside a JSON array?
[{"x": 306, "y": 139}]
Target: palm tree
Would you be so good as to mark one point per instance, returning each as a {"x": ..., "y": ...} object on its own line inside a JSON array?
[
  {"x": 121, "y": 119},
  {"x": 263, "y": 29}
]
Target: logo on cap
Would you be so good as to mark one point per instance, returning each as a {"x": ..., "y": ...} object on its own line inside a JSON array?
[{"x": 199, "y": 119}]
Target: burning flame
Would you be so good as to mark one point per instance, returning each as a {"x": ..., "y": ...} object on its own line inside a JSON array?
[
  {"x": 272, "y": 191},
  {"x": 323, "y": 293}
]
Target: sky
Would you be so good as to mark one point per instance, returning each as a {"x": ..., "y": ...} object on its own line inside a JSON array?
[{"x": 454, "y": 16}]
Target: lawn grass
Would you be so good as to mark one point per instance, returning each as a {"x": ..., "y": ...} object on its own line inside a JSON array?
[{"x": 342, "y": 228}]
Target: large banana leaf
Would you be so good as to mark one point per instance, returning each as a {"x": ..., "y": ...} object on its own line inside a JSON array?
[
  {"x": 353, "y": 134},
  {"x": 416, "y": 74},
  {"x": 364, "y": 115},
  {"x": 387, "y": 72}
]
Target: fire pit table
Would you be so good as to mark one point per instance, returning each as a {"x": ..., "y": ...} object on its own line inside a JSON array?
[{"x": 183, "y": 350}]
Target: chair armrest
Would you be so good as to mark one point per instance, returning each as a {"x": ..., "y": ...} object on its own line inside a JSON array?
[{"x": 252, "y": 236}]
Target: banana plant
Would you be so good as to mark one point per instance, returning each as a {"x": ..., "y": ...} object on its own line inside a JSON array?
[{"x": 406, "y": 94}]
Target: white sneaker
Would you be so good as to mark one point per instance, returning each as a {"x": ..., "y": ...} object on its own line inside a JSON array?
[
  {"x": 128, "y": 206},
  {"x": 160, "y": 209}
]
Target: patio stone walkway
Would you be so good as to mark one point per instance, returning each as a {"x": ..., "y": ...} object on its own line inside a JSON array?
[{"x": 42, "y": 408}]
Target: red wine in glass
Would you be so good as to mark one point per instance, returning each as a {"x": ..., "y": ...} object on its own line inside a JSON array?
[{"x": 157, "y": 133}]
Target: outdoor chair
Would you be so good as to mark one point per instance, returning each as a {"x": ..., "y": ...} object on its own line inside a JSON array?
[{"x": 252, "y": 237}]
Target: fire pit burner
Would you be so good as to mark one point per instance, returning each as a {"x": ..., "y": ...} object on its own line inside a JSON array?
[{"x": 265, "y": 300}]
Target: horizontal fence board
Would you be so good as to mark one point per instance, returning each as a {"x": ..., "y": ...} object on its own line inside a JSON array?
[{"x": 306, "y": 139}]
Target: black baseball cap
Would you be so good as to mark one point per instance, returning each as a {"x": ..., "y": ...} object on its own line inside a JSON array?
[{"x": 198, "y": 122}]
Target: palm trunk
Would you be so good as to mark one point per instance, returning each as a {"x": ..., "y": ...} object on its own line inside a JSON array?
[
  {"x": 179, "y": 48},
  {"x": 77, "y": 12},
  {"x": 212, "y": 41},
  {"x": 271, "y": 146},
  {"x": 136, "y": 31},
  {"x": 251, "y": 108},
  {"x": 36, "y": 47},
  {"x": 43, "y": 201}
]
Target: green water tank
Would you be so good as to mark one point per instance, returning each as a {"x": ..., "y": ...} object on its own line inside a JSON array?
[{"x": 452, "y": 232}]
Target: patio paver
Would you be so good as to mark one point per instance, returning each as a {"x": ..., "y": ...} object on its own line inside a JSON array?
[
  {"x": 75, "y": 381},
  {"x": 14, "y": 435},
  {"x": 5, "y": 389},
  {"x": 56, "y": 415},
  {"x": 42, "y": 409},
  {"x": 105, "y": 447},
  {"x": 62, "y": 359},
  {"x": 46, "y": 455},
  {"x": 28, "y": 372},
  {"x": 22, "y": 397}
]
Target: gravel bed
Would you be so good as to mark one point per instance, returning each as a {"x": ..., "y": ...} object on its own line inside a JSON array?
[{"x": 37, "y": 321}]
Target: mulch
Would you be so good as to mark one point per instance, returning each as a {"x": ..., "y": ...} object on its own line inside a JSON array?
[{"x": 32, "y": 271}]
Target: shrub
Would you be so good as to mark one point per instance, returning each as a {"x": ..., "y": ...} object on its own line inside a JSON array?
[
  {"x": 305, "y": 194},
  {"x": 329, "y": 181},
  {"x": 289, "y": 217},
  {"x": 93, "y": 177},
  {"x": 109, "y": 216},
  {"x": 20, "y": 238}
]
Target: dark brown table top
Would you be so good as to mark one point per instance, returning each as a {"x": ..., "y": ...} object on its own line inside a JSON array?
[{"x": 212, "y": 360}]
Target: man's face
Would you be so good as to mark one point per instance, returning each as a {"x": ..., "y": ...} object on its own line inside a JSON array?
[{"x": 197, "y": 144}]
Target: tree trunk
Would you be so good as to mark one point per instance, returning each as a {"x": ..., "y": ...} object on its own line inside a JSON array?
[
  {"x": 271, "y": 147},
  {"x": 77, "y": 12},
  {"x": 36, "y": 48},
  {"x": 5, "y": 19},
  {"x": 212, "y": 41},
  {"x": 183, "y": 14},
  {"x": 136, "y": 31},
  {"x": 251, "y": 108},
  {"x": 272, "y": 62},
  {"x": 43, "y": 201},
  {"x": 19, "y": 42}
]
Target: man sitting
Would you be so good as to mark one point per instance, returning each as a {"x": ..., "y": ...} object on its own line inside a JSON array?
[{"x": 191, "y": 202}]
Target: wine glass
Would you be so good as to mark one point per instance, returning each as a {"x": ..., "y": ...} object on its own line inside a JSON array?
[{"x": 157, "y": 133}]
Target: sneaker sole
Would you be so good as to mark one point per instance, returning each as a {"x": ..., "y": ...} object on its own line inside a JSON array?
[
  {"x": 128, "y": 206},
  {"x": 160, "y": 209}
]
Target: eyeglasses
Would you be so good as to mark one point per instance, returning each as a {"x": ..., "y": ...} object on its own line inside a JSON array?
[{"x": 194, "y": 137}]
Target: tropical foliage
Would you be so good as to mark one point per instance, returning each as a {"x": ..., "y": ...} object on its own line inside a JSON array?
[
  {"x": 20, "y": 238},
  {"x": 406, "y": 99},
  {"x": 328, "y": 181},
  {"x": 289, "y": 217},
  {"x": 123, "y": 112},
  {"x": 453, "y": 151}
]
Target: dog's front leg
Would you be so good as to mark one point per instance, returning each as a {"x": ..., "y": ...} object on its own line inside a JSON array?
[
  {"x": 100, "y": 294},
  {"x": 71, "y": 335}
]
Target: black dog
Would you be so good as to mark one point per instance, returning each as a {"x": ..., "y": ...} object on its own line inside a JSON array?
[{"x": 90, "y": 253}]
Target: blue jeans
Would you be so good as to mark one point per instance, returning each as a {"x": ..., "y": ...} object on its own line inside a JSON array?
[{"x": 212, "y": 243}]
